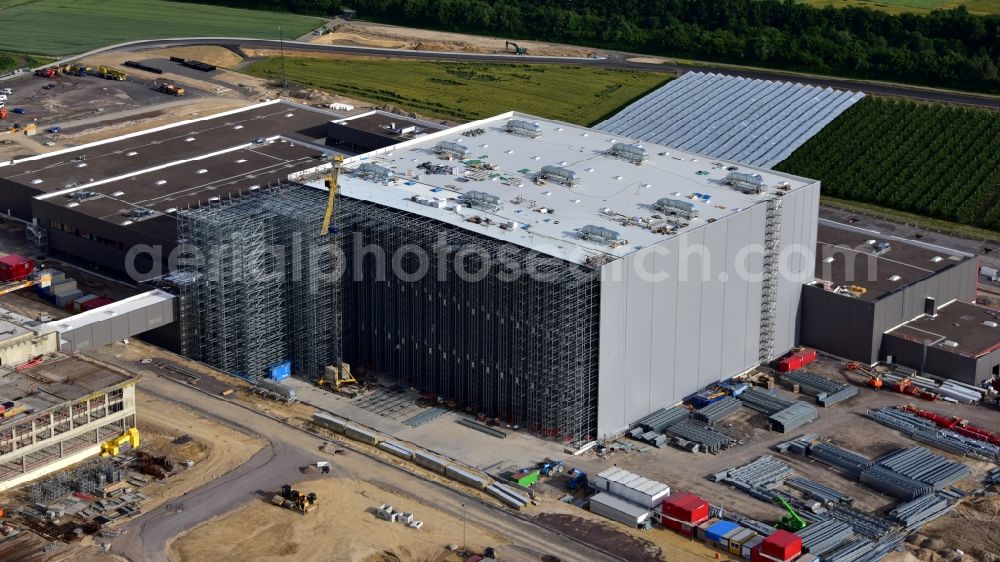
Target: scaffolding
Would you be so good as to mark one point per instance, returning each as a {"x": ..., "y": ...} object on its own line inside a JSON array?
[
  {"x": 519, "y": 347},
  {"x": 264, "y": 291}
]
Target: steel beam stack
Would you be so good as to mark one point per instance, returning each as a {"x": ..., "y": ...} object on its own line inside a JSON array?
[
  {"x": 916, "y": 512},
  {"x": 893, "y": 483},
  {"x": 793, "y": 417},
  {"x": 837, "y": 457},
  {"x": 759, "y": 477},
  {"x": 718, "y": 410},
  {"x": 264, "y": 292},
  {"x": 818, "y": 491},
  {"x": 924, "y": 466},
  {"x": 824, "y": 536},
  {"x": 662, "y": 419},
  {"x": 826, "y": 391},
  {"x": 862, "y": 523},
  {"x": 710, "y": 441},
  {"x": 764, "y": 401},
  {"x": 925, "y": 431}
]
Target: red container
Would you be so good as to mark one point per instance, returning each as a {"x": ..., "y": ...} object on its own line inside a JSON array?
[
  {"x": 686, "y": 508},
  {"x": 14, "y": 267},
  {"x": 807, "y": 355},
  {"x": 790, "y": 363},
  {"x": 782, "y": 545},
  {"x": 682, "y": 528}
]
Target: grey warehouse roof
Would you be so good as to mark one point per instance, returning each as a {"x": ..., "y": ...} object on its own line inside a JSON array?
[
  {"x": 600, "y": 190},
  {"x": 758, "y": 122}
]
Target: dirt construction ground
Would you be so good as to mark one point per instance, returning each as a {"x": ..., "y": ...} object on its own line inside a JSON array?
[{"x": 344, "y": 527}]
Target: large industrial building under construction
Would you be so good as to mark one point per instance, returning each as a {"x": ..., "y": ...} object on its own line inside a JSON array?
[{"x": 576, "y": 281}]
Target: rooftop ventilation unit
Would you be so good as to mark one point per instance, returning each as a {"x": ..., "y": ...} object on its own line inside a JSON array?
[
  {"x": 631, "y": 152},
  {"x": 139, "y": 214},
  {"x": 374, "y": 172},
  {"x": 879, "y": 248},
  {"x": 79, "y": 196},
  {"x": 600, "y": 234},
  {"x": 482, "y": 200},
  {"x": 451, "y": 150},
  {"x": 560, "y": 175},
  {"x": 523, "y": 128},
  {"x": 683, "y": 209},
  {"x": 747, "y": 183}
]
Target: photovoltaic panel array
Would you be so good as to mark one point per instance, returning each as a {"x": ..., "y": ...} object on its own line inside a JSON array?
[{"x": 756, "y": 122}]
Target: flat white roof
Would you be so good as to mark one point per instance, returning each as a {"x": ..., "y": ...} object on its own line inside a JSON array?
[
  {"x": 612, "y": 193},
  {"x": 618, "y": 504},
  {"x": 108, "y": 311}
]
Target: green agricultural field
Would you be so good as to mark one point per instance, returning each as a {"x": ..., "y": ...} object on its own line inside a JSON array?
[
  {"x": 915, "y": 6},
  {"x": 465, "y": 91},
  {"x": 65, "y": 27},
  {"x": 932, "y": 160}
]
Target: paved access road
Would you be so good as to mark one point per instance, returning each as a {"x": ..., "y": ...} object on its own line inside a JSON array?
[
  {"x": 279, "y": 462},
  {"x": 612, "y": 60}
]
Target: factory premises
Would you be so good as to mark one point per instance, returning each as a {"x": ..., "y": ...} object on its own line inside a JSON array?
[{"x": 648, "y": 274}]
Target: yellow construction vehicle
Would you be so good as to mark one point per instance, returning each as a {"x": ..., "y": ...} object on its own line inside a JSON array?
[
  {"x": 113, "y": 448},
  {"x": 295, "y": 500},
  {"x": 331, "y": 186},
  {"x": 109, "y": 73},
  {"x": 171, "y": 90},
  {"x": 337, "y": 377}
]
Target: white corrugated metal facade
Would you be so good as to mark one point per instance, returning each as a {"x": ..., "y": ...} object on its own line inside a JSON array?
[{"x": 757, "y": 122}]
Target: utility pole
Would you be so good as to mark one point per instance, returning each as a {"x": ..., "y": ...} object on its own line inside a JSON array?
[
  {"x": 463, "y": 528},
  {"x": 281, "y": 43}
]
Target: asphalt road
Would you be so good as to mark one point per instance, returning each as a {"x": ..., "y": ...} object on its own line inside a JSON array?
[
  {"x": 613, "y": 60},
  {"x": 279, "y": 462}
]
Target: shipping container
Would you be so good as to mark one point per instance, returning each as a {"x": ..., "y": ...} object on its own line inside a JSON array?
[
  {"x": 717, "y": 533},
  {"x": 705, "y": 526},
  {"x": 525, "y": 478},
  {"x": 15, "y": 267},
  {"x": 736, "y": 541},
  {"x": 685, "y": 507},
  {"x": 782, "y": 545},
  {"x": 617, "y": 509},
  {"x": 281, "y": 371},
  {"x": 79, "y": 302},
  {"x": 750, "y": 545}
]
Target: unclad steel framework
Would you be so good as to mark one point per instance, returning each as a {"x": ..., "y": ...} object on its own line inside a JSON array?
[
  {"x": 520, "y": 347},
  {"x": 264, "y": 292}
]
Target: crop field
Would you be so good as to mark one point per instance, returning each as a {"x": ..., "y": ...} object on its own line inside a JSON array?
[
  {"x": 932, "y": 160},
  {"x": 65, "y": 27},
  {"x": 915, "y": 6},
  {"x": 466, "y": 91}
]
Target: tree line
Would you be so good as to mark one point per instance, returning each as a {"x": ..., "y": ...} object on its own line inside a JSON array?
[{"x": 946, "y": 48}]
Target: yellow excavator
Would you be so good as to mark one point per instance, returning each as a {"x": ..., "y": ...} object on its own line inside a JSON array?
[{"x": 113, "y": 448}]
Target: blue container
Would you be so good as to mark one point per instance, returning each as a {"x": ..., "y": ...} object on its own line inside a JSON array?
[
  {"x": 281, "y": 371},
  {"x": 716, "y": 532}
]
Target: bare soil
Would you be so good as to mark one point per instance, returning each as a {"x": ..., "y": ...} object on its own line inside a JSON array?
[
  {"x": 344, "y": 527},
  {"x": 365, "y": 34}
]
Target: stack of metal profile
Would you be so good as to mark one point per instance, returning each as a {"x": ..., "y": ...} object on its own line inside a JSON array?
[
  {"x": 919, "y": 511},
  {"x": 764, "y": 401},
  {"x": 792, "y": 417},
  {"x": 818, "y": 491},
  {"x": 718, "y": 410},
  {"x": 849, "y": 551},
  {"x": 837, "y": 457},
  {"x": 799, "y": 445},
  {"x": 893, "y": 483},
  {"x": 710, "y": 441},
  {"x": 825, "y": 535},
  {"x": 826, "y": 391},
  {"x": 764, "y": 473},
  {"x": 663, "y": 418},
  {"x": 925, "y": 431},
  {"x": 863, "y": 523},
  {"x": 924, "y": 466}
]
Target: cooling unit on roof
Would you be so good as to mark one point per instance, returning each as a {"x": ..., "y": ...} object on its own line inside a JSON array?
[
  {"x": 450, "y": 149},
  {"x": 747, "y": 183},
  {"x": 523, "y": 128},
  {"x": 631, "y": 152},
  {"x": 560, "y": 175},
  {"x": 374, "y": 172},
  {"x": 78, "y": 196},
  {"x": 482, "y": 200},
  {"x": 140, "y": 214},
  {"x": 684, "y": 209},
  {"x": 602, "y": 235}
]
